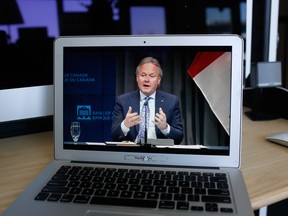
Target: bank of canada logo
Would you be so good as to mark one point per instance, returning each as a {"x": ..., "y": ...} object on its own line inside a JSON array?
[{"x": 83, "y": 112}]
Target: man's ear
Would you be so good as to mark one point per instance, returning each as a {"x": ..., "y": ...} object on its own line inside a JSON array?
[{"x": 159, "y": 81}]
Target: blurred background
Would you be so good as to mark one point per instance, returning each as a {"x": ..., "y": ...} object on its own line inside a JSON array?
[{"x": 29, "y": 27}]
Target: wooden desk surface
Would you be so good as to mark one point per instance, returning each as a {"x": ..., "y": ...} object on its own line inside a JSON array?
[
  {"x": 21, "y": 159},
  {"x": 263, "y": 163}
]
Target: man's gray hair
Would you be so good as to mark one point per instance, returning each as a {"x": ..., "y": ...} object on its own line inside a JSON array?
[{"x": 150, "y": 60}]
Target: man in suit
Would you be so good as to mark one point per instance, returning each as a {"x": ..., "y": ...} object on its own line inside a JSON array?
[{"x": 165, "y": 119}]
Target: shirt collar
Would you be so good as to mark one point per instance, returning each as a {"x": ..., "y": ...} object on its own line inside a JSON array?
[{"x": 143, "y": 96}]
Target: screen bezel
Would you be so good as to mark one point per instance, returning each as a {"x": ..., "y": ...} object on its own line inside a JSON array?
[{"x": 231, "y": 160}]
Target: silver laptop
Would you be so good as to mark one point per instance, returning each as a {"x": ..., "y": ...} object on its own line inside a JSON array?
[{"x": 93, "y": 174}]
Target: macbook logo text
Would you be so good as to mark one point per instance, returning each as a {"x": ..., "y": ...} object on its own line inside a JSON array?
[{"x": 145, "y": 158}]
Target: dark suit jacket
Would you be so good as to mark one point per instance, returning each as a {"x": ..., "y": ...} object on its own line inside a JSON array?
[{"x": 168, "y": 102}]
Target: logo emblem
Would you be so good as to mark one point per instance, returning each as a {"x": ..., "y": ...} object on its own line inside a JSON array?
[{"x": 83, "y": 112}]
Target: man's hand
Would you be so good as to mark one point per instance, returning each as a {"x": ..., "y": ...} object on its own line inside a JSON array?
[
  {"x": 160, "y": 120},
  {"x": 132, "y": 119}
]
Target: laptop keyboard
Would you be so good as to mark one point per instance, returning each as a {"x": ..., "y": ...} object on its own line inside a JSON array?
[{"x": 175, "y": 190}]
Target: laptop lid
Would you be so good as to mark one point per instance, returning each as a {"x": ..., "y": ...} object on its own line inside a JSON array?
[{"x": 203, "y": 71}]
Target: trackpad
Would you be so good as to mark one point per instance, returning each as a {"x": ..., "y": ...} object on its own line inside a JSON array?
[{"x": 109, "y": 213}]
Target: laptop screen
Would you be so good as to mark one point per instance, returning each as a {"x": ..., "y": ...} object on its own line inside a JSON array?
[{"x": 198, "y": 75}]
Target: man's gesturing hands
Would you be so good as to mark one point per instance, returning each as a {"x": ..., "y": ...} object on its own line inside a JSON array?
[
  {"x": 160, "y": 120},
  {"x": 132, "y": 119}
]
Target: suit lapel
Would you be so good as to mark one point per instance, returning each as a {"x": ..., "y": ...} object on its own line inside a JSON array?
[{"x": 159, "y": 102}]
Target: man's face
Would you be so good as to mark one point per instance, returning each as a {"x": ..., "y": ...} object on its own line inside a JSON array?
[{"x": 148, "y": 78}]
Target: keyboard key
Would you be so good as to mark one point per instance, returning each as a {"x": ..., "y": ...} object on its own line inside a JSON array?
[
  {"x": 166, "y": 196},
  {"x": 135, "y": 171},
  {"x": 139, "y": 195},
  {"x": 160, "y": 189},
  {"x": 220, "y": 175},
  {"x": 147, "y": 188},
  {"x": 124, "y": 202},
  {"x": 218, "y": 179},
  {"x": 195, "y": 173},
  {"x": 197, "y": 184},
  {"x": 73, "y": 183},
  {"x": 122, "y": 187},
  {"x": 183, "y": 206},
  {"x": 42, "y": 196},
  {"x": 57, "y": 183},
  {"x": 110, "y": 180},
  {"x": 81, "y": 199},
  {"x": 67, "y": 198},
  {"x": 171, "y": 183},
  {"x": 184, "y": 184},
  {"x": 134, "y": 181},
  {"x": 222, "y": 185},
  {"x": 159, "y": 182},
  {"x": 154, "y": 176},
  {"x": 85, "y": 184},
  {"x": 86, "y": 178},
  {"x": 173, "y": 190},
  {"x": 193, "y": 198},
  {"x": 197, "y": 208},
  {"x": 135, "y": 188},
  {"x": 152, "y": 195},
  {"x": 98, "y": 179},
  {"x": 113, "y": 193},
  {"x": 200, "y": 191},
  {"x": 208, "y": 174},
  {"x": 75, "y": 191},
  {"x": 186, "y": 190},
  {"x": 87, "y": 191},
  {"x": 142, "y": 176},
  {"x": 110, "y": 186},
  {"x": 126, "y": 194},
  {"x": 180, "y": 197},
  {"x": 146, "y": 171},
  {"x": 63, "y": 170},
  {"x": 211, "y": 207},
  {"x": 158, "y": 172},
  {"x": 84, "y": 172},
  {"x": 216, "y": 199},
  {"x": 221, "y": 192},
  {"x": 203, "y": 179},
  {"x": 54, "y": 197},
  {"x": 146, "y": 182},
  {"x": 100, "y": 192},
  {"x": 178, "y": 177},
  {"x": 226, "y": 210},
  {"x": 122, "y": 170},
  {"x": 166, "y": 177},
  {"x": 122, "y": 181},
  {"x": 54, "y": 189},
  {"x": 209, "y": 185},
  {"x": 74, "y": 177},
  {"x": 60, "y": 177},
  {"x": 171, "y": 172},
  {"x": 166, "y": 205}
]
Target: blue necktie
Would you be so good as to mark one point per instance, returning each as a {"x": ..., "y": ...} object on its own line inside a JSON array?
[{"x": 145, "y": 115}]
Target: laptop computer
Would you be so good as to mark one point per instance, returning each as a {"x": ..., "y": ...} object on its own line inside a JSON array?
[{"x": 93, "y": 174}]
